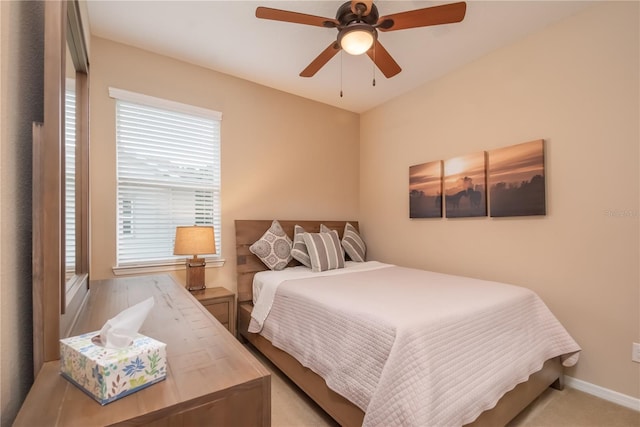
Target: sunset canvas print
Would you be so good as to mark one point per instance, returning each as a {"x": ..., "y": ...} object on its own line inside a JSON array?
[
  {"x": 425, "y": 190},
  {"x": 516, "y": 180},
  {"x": 465, "y": 186}
]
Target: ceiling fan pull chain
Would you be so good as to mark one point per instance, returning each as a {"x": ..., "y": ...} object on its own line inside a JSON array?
[
  {"x": 373, "y": 66},
  {"x": 340, "y": 74}
]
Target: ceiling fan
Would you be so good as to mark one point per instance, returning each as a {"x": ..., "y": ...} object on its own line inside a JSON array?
[{"x": 358, "y": 22}]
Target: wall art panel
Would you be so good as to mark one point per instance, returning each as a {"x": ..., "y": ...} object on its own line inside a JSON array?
[
  {"x": 517, "y": 180},
  {"x": 425, "y": 190},
  {"x": 465, "y": 186}
]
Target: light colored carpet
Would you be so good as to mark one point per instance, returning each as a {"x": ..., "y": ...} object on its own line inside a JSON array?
[
  {"x": 574, "y": 408},
  {"x": 290, "y": 407}
]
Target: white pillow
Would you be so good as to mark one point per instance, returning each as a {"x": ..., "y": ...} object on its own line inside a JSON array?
[
  {"x": 273, "y": 248},
  {"x": 353, "y": 243},
  {"x": 325, "y": 251}
]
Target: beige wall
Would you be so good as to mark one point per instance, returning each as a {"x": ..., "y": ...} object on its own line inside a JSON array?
[
  {"x": 21, "y": 103},
  {"x": 282, "y": 156},
  {"x": 574, "y": 84}
]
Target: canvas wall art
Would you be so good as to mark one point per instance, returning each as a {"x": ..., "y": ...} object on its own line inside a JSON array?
[
  {"x": 465, "y": 186},
  {"x": 425, "y": 190},
  {"x": 517, "y": 180}
]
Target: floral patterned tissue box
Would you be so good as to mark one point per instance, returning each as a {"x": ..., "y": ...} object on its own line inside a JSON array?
[{"x": 108, "y": 374}]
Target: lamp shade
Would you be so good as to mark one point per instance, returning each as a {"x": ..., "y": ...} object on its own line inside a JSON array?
[
  {"x": 194, "y": 240},
  {"x": 356, "y": 39}
]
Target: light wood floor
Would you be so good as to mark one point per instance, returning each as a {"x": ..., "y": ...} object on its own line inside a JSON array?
[{"x": 290, "y": 407}]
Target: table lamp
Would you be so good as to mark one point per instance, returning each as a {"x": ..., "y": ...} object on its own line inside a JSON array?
[{"x": 195, "y": 240}]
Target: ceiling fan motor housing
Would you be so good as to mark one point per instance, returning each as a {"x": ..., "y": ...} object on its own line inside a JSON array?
[{"x": 346, "y": 16}]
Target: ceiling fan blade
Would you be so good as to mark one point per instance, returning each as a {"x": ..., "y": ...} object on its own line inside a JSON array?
[
  {"x": 436, "y": 15},
  {"x": 383, "y": 60},
  {"x": 295, "y": 17},
  {"x": 321, "y": 60}
]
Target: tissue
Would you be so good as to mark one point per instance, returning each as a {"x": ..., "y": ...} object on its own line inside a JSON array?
[{"x": 121, "y": 330}]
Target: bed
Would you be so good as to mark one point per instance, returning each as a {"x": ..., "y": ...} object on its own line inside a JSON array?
[{"x": 399, "y": 387}]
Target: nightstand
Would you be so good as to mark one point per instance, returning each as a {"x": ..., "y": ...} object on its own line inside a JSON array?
[{"x": 221, "y": 303}]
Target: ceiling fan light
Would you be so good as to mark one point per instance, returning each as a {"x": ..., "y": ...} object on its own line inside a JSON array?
[{"x": 357, "y": 40}]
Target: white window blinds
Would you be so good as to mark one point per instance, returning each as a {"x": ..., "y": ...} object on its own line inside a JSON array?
[
  {"x": 168, "y": 161},
  {"x": 70, "y": 178}
]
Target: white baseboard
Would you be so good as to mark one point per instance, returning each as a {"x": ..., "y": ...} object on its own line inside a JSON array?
[{"x": 603, "y": 393}]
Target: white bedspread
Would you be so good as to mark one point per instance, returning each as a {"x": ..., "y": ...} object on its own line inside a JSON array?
[
  {"x": 411, "y": 347},
  {"x": 265, "y": 284}
]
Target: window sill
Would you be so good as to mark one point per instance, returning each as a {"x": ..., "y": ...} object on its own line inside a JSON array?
[{"x": 124, "y": 270}]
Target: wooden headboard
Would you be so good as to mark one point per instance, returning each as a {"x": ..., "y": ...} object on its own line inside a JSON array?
[{"x": 250, "y": 230}]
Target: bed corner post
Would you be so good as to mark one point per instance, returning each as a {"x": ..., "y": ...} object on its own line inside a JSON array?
[{"x": 558, "y": 384}]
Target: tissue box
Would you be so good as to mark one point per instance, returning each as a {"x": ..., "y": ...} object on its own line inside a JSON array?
[{"x": 108, "y": 374}]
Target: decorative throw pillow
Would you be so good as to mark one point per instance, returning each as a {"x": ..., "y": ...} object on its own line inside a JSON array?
[
  {"x": 325, "y": 251},
  {"x": 353, "y": 243},
  {"x": 325, "y": 229},
  {"x": 273, "y": 248},
  {"x": 299, "y": 250}
]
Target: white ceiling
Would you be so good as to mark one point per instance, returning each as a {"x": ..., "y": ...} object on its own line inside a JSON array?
[{"x": 227, "y": 37}]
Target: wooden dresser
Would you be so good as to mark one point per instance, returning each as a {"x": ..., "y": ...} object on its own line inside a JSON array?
[{"x": 211, "y": 378}]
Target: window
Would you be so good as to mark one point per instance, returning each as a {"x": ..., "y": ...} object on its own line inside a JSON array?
[{"x": 168, "y": 174}]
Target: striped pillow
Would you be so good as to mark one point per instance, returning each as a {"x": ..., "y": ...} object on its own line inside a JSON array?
[
  {"x": 325, "y": 251},
  {"x": 353, "y": 243},
  {"x": 273, "y": 248},
  {"x": 325, "y": 229},
  {"x": 299, "y": 250}
]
